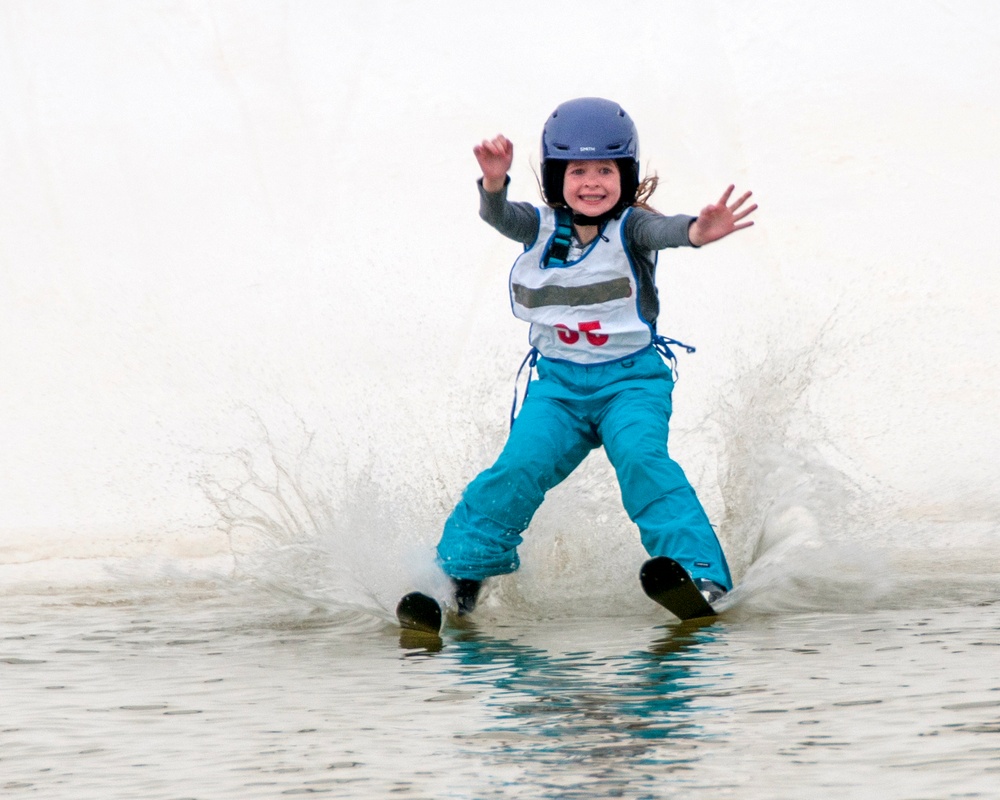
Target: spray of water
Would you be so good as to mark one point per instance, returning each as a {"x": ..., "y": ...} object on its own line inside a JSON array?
[{"x": 348, "y": 524}]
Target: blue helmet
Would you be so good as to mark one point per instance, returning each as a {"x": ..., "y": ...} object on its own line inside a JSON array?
[{"x": 589, "y": 129}]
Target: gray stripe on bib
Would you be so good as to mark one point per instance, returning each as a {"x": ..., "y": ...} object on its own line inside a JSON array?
[{"x": 616, "y": 289}]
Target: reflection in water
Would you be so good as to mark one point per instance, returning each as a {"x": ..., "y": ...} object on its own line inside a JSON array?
[
  {"x": 420, "y": 642},
  {"x": 578, "y": 724}
]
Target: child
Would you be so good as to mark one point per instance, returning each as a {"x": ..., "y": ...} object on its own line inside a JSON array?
[{"x": 585, "y": 282}]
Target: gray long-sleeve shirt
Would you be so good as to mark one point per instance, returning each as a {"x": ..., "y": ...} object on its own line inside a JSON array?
[{"x": 645, "y": 232}]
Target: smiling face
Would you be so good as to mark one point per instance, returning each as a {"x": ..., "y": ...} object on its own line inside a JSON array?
[{"x": 592, "y": 188}]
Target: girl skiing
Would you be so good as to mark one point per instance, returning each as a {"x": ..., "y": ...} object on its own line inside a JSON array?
[{"x": 585, "y": 283}]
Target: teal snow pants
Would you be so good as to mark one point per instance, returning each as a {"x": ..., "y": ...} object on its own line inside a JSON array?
[{"x": 571, "y": 409}]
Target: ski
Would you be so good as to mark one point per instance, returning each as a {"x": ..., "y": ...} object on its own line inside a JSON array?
[
  {"x": 669, "y": 584},
  {"x": 418, "y": 612}
]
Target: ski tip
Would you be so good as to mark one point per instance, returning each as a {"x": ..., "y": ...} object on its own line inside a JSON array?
[
  {"x": 418, "y": 612},
  {"x": 668, "y": 583},
  {"x": 662, "y": 573}
]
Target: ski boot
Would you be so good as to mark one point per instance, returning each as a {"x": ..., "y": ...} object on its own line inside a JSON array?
[
  {"x": 709, "y": 589},
  {"x": 466, "y": 594}
]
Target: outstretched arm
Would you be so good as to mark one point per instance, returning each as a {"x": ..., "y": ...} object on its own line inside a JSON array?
[
  {"x": 721, "y": 219},
  {"x": 517, "y": 221},
  {"x": 495, "y": 157}
]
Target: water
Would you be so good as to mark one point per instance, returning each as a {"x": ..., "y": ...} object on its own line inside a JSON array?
[
  {"x": 211, "y": 692},
  {"x": 254, "y": 342}
]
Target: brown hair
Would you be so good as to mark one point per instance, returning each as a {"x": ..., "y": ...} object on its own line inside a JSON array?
[{"x": 646, "y": 188}]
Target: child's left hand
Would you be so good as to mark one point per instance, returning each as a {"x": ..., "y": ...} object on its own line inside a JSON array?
[{"x": 720, "y": 219}]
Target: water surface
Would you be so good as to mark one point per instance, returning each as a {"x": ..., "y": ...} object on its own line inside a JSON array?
[{"x": 205, "y": 693}]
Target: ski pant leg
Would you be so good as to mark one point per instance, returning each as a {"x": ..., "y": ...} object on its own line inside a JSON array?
[
  {"x": 655, "y": 491},
  {"x": 546, "y": 443}
]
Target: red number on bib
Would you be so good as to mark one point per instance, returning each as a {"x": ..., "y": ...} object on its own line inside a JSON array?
[
  {"x": 566, "y": 335},
  {"x": 587, "y": 328},
  {"x": 596, "y": 339}
]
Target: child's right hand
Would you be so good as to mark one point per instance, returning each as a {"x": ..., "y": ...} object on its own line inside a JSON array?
[{"x": 495, "y": 157}]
